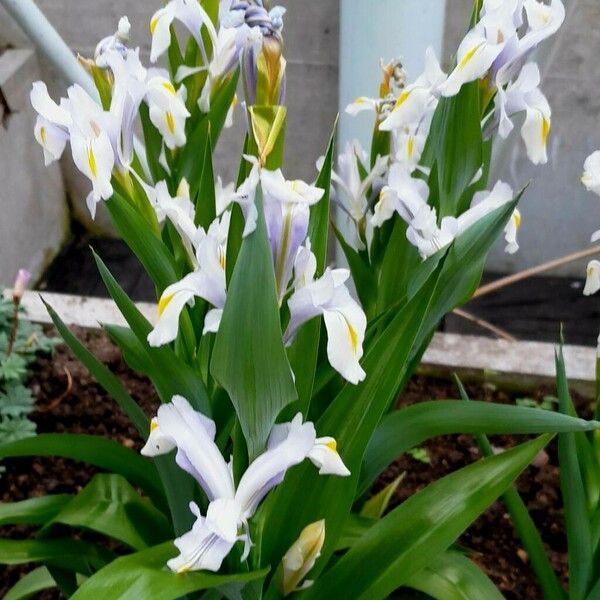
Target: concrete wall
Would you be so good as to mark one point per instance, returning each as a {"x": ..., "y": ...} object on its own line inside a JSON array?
[
  {"x": 311, "y": 36},
  {"x": 34, "y": 219}
]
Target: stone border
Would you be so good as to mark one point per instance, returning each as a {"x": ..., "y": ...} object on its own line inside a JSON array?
[{"x": 517, "y": 365}]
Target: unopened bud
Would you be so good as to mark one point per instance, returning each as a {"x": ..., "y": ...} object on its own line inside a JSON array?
[
  {"x": 183, "y": 189},
  {"x": 123, "y": 29},
  {"x": 301, "y": 557},
  {"x": 21, "y": 283}
]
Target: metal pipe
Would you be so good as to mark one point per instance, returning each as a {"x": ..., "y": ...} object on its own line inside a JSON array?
[{"x": 49, "y": 42}]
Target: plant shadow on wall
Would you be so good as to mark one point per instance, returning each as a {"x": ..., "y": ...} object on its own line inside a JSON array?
[{"x": 276, "y": 384}]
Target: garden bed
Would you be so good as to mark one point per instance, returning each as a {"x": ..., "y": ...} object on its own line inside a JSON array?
[{"x": 69, "y": 400}]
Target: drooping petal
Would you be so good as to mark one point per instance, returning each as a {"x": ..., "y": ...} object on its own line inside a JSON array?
[
  {"x": 346, "y": 324},
  {"x": 193, "y": 434},
  {"x": 268, "y": 469},
  {"x": 592, "y": 281},
  {"x": 475, "y": 56},
  {"x": 324, "y": 455},
  {"x": 157, "y": 443},
  {"x": 200, "y": 548},
  {"x": 409, "y": 108},
  {"x": 170, "y": 306},
  {"x": 510, "y": 232},
  {"x": 277, "y": 189},
  {"x": 361, "y": 104},
  {"x": 212, "y": 320},
  {"x": 94, "y": 157},
  {"x": 591, "y": 172},
  {"x": 46, "y": 107},
  {"x": 51, "y": 138},
  {"x": 160, "y": 29},
  {"x": 535, "y": 131}
]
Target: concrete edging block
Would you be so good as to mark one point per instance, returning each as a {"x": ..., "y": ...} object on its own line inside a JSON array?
[{"x": 521, "y": 365}]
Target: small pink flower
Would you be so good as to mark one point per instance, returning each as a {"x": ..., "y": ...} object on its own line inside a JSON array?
[{"x": 21, "y": 282}]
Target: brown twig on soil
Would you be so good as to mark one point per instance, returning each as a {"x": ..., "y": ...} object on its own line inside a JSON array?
[
  {"x": 527, "y": 273},
  {"x": 484, "y": 324},
  {"x": 50, "y": 407}
]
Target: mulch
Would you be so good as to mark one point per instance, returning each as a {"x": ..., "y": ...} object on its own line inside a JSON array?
[{"x": 86, "y": 408}]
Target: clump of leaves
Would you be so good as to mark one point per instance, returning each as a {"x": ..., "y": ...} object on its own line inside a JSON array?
[{"x": 16, "y": 400}]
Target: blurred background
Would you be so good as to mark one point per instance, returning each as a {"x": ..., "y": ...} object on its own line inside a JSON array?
[{"x": 333, "y": 49}]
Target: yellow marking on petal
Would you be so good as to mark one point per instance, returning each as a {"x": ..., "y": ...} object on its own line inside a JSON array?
[
  {"x": 170, "y": 121},
  {"x": 402, "y": 98},
  {"x": 360, "y": 100},
  {"x": 517, "y": 218},
  {"x": 163, "y": 303},
  {"x": 222, "y": 259},
  {"x": 410, "y": 146},
  {"x": 466, "y": 59},
  {"x": 92, "y": 162},
  {"x": 586, "y": 179},
  {"x": 353, "y": 337},
  {"x": 153, "y": 24},
  {"x": 545, "y": 130},
  {"x": 332, "y": 445},
  {"x": 169, "y": 87},
  {"x": 43, "y": 135},
  {"x": 153, "y": 425}
]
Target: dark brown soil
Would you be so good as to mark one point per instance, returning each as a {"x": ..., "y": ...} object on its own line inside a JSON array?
[
  {"x": 492, "y": 537},
  {"x": 85, "y": 408}
]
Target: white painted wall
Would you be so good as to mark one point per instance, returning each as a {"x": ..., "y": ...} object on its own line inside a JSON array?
[{"x": 375, "y": 29}]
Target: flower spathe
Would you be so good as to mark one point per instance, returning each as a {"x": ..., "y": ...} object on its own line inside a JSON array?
[
  {"x": 178, "y": 425},
  {"x": 301, "y": 557}
]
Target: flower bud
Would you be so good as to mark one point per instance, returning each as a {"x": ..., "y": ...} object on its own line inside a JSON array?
[
  {"x": 21, "y": 282},
  {"x": 263, "y": 65},
  {"x": 301, "y": 557}
]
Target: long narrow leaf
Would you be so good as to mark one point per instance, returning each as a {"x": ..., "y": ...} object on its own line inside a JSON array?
[
  {"x": 110, "y": 506},
  {"x": 143, "y": 575},
  {"x": 249, "y": 358},
  {"x": 452, "y": 576},
  {"x": 526, "y": 529},
  {"x": 571, "y": 482},
  {"x": 171, "y": 375},
  {"x": 95, "y": 450},
  {"x": 76, "y": 555},
  {"x": 404, "y": 429},
  {"x": 408, "y": 538},
  {"x": 35, "y": 581},
  {"x": 34, "y": 511}
]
